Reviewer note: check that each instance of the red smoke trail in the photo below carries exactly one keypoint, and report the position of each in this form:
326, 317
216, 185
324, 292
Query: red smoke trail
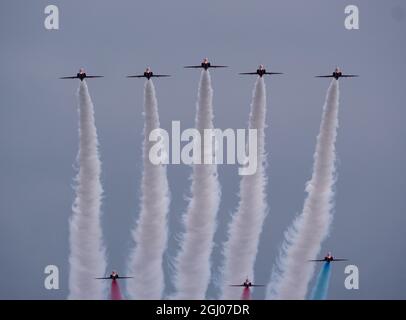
115, 293
246, 294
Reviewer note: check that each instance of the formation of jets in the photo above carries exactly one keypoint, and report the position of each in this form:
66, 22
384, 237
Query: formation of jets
328, 258
205, 64
246, 284
113, 276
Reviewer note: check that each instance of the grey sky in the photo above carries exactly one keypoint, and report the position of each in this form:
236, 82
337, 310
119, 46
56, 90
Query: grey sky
38, 138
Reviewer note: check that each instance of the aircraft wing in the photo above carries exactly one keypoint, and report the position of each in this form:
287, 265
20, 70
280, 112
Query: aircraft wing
248, 73
317, 260
273, 73
211, 66
161, 75
94, 76
137, 76
125, 277
193, 66
349, 75
257, 285
330, 76
73, 77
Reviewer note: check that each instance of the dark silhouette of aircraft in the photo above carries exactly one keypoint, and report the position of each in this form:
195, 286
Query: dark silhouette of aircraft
338, 74
260, 71
205, 65
247, 283
328, 258
148, 74
81, 75
113, 276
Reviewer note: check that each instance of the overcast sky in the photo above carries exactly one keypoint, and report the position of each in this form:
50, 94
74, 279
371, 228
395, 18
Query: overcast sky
38, 137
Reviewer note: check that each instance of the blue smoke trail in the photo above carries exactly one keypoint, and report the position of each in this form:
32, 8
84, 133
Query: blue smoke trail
321, 287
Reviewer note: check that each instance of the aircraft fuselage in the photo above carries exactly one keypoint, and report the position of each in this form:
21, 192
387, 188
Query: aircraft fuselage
81, 75
205, 65
148, 75
261, 72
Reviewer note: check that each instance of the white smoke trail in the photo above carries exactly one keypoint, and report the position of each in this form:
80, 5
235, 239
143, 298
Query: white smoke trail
241, 248
303, 239
193, 261
87, 253
150, 232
